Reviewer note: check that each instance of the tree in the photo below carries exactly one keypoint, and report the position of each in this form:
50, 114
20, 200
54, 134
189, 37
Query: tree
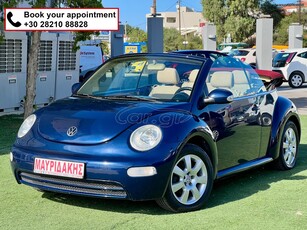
281, 34
231, 17
1, 32
172, 39
135, 34
32, 65
239, 27
105, 47
269, 8
215, 11
194, 43
5, 4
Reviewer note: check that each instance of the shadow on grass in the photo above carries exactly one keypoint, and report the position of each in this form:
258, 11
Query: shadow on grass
241, 186
224, 191
120, 206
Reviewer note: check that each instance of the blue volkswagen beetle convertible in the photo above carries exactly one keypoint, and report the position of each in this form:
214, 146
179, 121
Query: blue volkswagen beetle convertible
163, 131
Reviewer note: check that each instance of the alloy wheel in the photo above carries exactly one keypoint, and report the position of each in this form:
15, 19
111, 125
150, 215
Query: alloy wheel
289, 147
189, 179
296, 80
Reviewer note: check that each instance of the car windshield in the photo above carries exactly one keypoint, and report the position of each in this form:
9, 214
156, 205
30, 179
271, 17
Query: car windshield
140, 77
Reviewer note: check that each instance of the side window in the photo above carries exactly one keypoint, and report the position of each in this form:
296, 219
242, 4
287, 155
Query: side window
241, 86
221, 75
303, 55
247, 82
255, 82
231, 74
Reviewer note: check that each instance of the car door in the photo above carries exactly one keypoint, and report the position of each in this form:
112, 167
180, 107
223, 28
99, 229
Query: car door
236, 125
302, 59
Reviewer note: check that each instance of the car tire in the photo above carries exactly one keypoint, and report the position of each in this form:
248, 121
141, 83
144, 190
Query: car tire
288, 147
190, 182
296, 79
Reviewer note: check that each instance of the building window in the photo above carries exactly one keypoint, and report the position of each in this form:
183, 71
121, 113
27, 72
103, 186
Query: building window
171, 20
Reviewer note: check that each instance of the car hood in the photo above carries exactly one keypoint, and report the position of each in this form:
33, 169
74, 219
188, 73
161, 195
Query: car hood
91, 121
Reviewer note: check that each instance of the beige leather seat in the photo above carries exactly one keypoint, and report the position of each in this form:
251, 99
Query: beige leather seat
169, 79
192, 78
241, 84
221, 80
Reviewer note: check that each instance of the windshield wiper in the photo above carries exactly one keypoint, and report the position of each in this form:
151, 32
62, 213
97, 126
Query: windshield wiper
131, 97
115, 97
87, 96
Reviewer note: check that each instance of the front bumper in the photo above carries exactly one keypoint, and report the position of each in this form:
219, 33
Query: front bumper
72, 186
106, 179
282, 71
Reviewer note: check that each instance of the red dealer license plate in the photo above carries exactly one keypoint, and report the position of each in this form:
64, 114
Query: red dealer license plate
59, 168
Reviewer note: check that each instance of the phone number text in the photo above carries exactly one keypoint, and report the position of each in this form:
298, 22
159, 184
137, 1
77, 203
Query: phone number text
57, 24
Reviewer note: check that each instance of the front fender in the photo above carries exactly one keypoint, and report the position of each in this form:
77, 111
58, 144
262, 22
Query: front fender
186, 128
183, 128
202, 136
284, 110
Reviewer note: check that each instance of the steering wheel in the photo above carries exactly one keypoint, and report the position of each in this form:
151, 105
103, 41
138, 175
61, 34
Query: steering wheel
183, 89
180, 96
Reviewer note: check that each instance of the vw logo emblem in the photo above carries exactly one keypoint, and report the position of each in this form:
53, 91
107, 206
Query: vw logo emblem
72, 131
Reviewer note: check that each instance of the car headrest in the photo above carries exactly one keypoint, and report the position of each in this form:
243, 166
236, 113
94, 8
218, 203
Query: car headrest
168, 76
222, 79
193, 75
239, 77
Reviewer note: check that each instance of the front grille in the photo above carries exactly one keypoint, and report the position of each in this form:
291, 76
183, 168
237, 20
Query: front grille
100, 189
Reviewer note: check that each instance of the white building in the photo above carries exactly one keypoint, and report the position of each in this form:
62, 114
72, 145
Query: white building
189, 20
290, 8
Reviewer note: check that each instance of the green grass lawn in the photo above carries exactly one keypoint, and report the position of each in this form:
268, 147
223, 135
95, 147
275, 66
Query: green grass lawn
258, 199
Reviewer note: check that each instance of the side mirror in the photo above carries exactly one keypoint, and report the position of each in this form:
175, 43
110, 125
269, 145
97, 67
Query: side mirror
219, 96
75, 87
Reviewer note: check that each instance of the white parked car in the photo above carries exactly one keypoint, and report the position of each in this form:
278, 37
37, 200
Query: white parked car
245, 55
248, 55
292, 64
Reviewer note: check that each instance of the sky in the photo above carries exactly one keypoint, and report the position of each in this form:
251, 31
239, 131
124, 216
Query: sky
133, 12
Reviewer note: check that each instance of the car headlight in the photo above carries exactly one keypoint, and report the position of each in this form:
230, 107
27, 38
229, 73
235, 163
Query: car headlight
146, 137
26, 126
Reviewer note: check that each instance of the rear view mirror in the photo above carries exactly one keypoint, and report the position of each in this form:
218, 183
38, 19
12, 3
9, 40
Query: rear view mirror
156, 67
219, 96
75, 87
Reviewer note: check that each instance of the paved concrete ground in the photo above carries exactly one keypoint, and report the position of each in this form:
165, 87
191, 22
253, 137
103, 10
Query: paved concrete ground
298, 96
